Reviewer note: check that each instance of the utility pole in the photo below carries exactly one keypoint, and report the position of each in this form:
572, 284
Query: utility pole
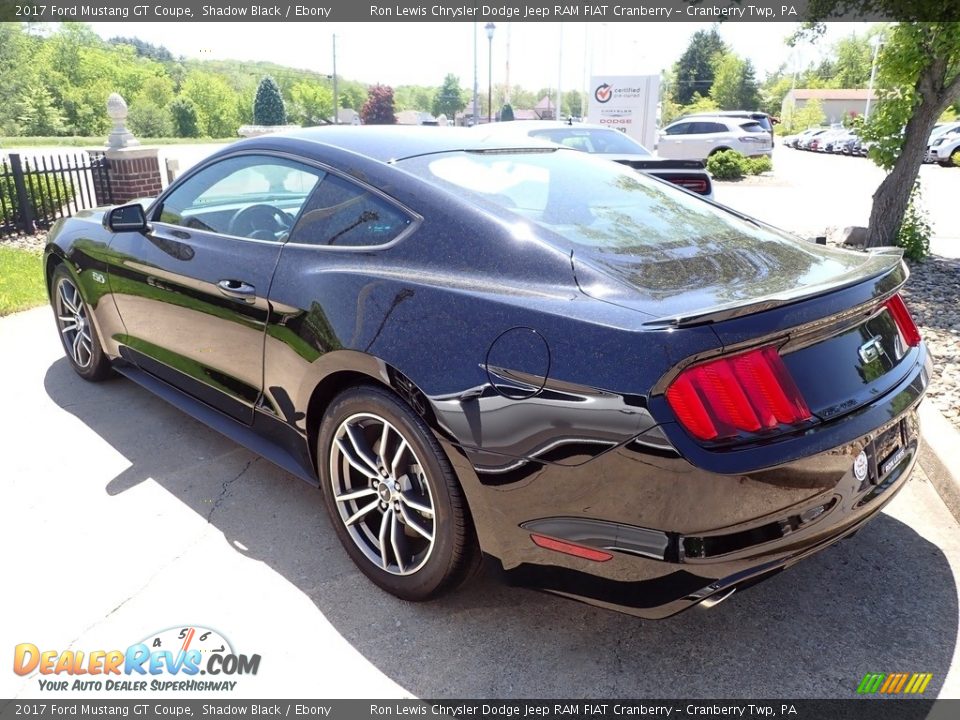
507, 94
336, 95
560, 76
476, 112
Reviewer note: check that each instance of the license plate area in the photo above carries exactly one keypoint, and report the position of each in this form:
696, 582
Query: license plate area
885, 452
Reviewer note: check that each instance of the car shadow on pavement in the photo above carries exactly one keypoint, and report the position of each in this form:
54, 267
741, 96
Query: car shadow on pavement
882, 601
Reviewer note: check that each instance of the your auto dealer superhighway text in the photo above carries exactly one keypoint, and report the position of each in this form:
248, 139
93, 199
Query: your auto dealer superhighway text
466, 12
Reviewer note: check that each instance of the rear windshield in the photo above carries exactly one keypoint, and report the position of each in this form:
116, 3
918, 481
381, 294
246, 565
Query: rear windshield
589, 202
752, 127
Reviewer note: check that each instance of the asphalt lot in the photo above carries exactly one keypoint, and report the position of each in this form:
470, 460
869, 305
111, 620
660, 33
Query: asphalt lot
119, 517
815, 193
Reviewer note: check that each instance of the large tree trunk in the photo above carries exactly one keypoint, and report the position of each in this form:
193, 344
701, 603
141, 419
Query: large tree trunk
893, 195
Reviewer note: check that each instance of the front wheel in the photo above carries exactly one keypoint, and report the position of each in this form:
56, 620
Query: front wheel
393, 498
77, 332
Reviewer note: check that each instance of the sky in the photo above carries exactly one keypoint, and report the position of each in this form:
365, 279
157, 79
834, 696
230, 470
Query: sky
407, 53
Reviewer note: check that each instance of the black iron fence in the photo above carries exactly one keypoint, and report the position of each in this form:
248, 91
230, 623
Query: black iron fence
36, 191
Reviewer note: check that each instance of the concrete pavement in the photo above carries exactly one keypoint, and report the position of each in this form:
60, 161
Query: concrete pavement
810, 192
120, 516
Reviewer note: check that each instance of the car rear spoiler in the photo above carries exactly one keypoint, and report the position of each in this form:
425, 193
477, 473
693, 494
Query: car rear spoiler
883, 262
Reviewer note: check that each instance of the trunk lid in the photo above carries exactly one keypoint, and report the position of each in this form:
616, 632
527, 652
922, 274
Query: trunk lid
697, 280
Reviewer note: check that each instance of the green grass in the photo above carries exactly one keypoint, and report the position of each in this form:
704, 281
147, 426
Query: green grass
21, 280
99, 141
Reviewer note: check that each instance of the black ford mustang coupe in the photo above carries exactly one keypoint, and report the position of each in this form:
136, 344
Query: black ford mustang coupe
620, 392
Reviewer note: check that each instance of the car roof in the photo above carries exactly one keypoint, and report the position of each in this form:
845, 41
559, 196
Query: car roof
388, 143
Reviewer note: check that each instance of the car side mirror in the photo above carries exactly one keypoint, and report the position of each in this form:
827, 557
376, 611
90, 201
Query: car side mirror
127, 218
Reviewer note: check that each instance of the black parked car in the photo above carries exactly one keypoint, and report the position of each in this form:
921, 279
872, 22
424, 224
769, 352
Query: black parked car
618, 391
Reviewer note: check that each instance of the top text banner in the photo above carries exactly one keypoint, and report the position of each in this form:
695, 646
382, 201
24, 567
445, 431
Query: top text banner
448, 10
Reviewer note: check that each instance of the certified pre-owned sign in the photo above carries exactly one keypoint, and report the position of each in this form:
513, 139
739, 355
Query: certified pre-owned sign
627, 103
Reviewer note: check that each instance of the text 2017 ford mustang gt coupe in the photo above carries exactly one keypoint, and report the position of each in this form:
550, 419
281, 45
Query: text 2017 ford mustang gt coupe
618, 391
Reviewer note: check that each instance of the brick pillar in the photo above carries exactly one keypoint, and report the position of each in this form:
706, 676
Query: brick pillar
134, 173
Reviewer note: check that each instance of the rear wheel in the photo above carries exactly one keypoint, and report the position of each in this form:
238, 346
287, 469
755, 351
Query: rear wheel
77, 333
392, 496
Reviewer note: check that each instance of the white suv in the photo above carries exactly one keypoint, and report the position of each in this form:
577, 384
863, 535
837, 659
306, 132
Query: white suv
945, 149
698, 138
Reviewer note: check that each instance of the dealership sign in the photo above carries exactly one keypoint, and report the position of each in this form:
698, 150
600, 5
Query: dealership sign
627, 103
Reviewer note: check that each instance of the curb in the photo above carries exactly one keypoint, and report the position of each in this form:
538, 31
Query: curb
940, 455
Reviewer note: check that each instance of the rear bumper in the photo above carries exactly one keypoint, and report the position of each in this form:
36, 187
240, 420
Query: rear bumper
679, 535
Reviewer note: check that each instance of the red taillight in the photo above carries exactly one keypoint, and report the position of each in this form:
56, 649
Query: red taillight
570, 549
743, 393
901, 316
697, 185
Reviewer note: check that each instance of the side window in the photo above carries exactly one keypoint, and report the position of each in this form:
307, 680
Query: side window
681, 129
251, 196
343, 214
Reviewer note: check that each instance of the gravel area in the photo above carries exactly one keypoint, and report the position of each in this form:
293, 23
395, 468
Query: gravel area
25, 242
932, 293
933, 296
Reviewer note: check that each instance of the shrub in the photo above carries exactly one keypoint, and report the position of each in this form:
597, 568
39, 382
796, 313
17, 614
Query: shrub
268, 108
506, 113
727, 165
149, 121
186, 122
915, 231
759, 164
47, 193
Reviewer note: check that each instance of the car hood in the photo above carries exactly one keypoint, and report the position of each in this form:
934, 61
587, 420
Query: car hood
710, 278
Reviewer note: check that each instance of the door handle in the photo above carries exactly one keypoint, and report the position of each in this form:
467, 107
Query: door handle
237, 289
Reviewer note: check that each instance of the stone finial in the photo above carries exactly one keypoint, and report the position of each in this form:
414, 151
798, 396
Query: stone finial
119, 136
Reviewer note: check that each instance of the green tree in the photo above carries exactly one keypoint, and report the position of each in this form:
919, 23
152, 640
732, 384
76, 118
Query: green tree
854, 58
157, 90
216, 104
700, 105
734, 84
38, 114
149, 120
572, 100
694, 71
379, 108
312, 103
449, 99
810, 115
414, 97
186, 121
506, 113
918, 78
268, 107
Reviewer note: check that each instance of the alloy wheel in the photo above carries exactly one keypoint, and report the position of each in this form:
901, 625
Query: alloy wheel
382, 494
73, 323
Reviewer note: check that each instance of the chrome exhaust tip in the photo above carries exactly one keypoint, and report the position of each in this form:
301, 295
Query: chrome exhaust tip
717, 598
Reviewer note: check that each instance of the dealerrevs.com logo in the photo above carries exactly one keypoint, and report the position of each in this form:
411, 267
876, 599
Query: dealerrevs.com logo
172, 659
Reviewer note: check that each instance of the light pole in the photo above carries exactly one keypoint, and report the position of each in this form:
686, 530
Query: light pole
490, 27
336, 95
473, 121
873, 75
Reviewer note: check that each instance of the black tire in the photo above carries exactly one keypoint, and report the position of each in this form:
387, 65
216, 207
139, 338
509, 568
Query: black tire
421, 569
78, 334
